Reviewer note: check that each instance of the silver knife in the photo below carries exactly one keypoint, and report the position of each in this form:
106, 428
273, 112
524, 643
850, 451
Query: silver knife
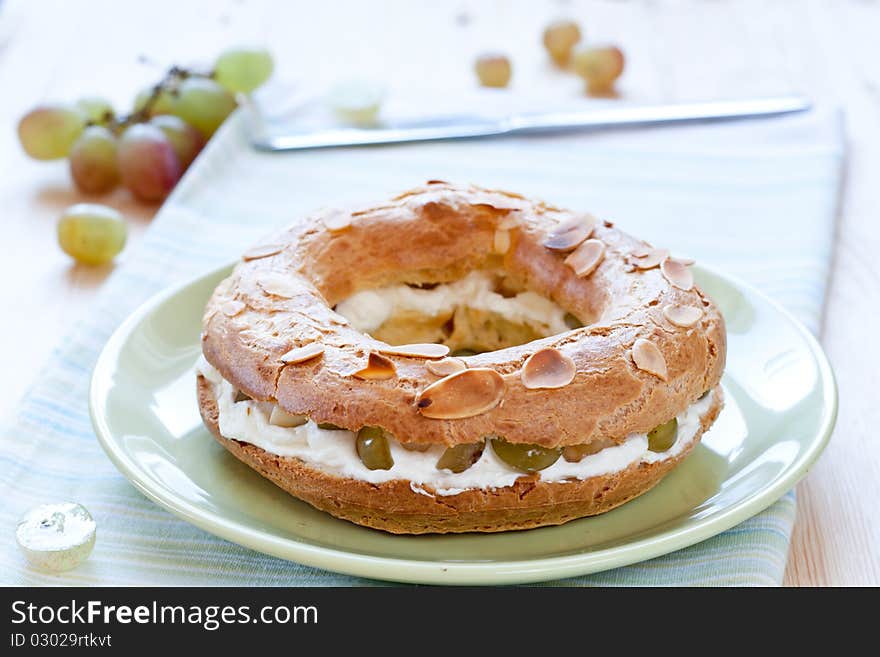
472, 126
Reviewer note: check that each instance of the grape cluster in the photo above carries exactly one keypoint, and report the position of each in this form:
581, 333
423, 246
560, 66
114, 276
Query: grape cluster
600, 67
148, 149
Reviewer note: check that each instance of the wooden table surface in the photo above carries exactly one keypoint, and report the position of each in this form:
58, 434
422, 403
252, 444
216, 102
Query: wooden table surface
677, 51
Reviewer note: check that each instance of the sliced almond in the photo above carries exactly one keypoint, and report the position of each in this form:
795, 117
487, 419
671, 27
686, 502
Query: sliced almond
648, 357
232, 308
302, 354
641, 251
461, 395
501, 242
586, 257
507, 222
281, 418
278, 285
687, 262
651, 259
262, 251
421, 350
378, 368
547, 368
337, 220
677, 274
446, 366
683, 316
571, 232
497, 201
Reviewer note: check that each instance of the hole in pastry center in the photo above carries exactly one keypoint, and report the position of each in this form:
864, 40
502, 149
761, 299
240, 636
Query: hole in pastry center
483, 311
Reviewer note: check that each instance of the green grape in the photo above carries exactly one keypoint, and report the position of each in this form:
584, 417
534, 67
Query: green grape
185, 140
571, 321
372, 447
576, 453
203, 104
95, 110
559, 39
599, 67
48, 132
147, 163
663, 437
92, 234
493, 70
460, 457
93, 161
241, 70
164, 103
524, 456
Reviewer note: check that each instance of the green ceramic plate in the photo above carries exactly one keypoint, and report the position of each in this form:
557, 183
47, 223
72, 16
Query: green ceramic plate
781, 406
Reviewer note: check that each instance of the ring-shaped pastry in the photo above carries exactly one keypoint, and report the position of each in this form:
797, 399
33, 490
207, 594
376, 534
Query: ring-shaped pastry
460, 359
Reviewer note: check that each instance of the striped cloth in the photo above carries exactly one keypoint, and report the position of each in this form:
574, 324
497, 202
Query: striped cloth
754, 199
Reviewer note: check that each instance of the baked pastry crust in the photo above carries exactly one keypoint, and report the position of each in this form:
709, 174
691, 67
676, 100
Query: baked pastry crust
396, 507
280, 298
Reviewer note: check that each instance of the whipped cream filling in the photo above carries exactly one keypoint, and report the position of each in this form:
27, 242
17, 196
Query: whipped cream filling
367, 310
334, 452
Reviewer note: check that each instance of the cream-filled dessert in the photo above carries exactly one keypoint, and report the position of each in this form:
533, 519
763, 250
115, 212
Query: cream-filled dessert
334, 451
459, 359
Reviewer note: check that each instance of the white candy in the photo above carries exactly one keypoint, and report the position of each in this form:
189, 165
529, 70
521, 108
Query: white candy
356, 101
56, 537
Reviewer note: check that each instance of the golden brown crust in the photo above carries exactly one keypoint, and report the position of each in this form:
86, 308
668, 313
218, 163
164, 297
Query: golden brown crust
447, 231
395, 507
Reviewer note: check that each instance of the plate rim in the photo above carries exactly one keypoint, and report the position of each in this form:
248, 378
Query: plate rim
453, 572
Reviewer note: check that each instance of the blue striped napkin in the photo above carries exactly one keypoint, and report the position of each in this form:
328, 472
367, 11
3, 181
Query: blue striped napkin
756, 199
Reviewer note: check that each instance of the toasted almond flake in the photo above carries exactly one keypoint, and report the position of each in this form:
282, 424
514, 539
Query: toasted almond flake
641, 251
547, 368
422, 350
378, 368
302, 354
281, 418
677, 274
461, 395
232, 308
278, 285
651, 259
507, 222
501, 242
446, 366
571, 232
648, 357
586, 257
683, 316
262, 251
497, 201
687, 262
337, 220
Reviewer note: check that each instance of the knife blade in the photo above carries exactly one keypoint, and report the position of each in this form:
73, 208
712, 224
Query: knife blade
466, 126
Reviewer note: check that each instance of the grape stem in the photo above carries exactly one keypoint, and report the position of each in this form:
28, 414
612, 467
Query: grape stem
169, 83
